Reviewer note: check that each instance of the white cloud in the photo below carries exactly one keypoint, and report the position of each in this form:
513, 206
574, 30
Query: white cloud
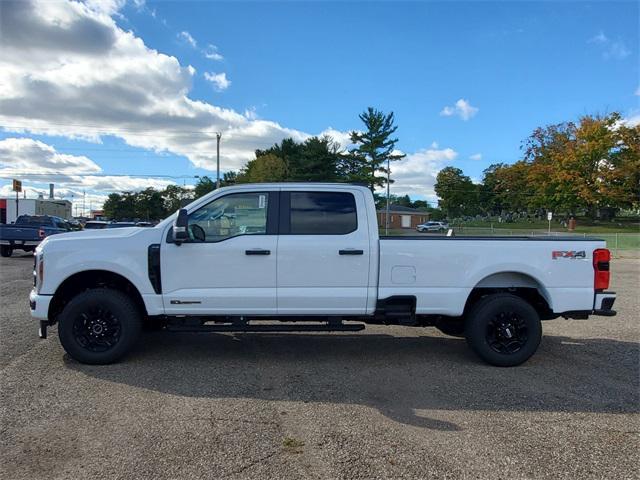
212, 53
108, 7
37, 164
632, 120
341, 138
219, 80
461, 108
415, 174
609, 48
475, 156
68, 70
187, 38
28, 155
251, 113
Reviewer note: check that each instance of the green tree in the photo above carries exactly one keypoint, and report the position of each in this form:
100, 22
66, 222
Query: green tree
314, 160
204, 185
374, 148
505, 188
120, 206
458, 195
149, 204
175, 197
317, 161
265, 168
229, 178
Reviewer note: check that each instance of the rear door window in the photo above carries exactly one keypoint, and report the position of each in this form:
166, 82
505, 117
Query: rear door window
322, 213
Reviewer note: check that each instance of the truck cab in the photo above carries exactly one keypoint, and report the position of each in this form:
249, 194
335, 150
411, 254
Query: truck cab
265, 257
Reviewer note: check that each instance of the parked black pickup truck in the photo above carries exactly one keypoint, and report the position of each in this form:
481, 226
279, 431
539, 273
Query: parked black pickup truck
28, 231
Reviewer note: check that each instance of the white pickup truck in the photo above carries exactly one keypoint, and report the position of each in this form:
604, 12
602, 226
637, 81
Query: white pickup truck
307, 257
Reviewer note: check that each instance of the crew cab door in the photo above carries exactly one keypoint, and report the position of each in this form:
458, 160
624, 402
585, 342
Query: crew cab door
323, 253
228, 266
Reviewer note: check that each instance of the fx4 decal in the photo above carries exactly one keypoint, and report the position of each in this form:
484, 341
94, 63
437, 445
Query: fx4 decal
568, 254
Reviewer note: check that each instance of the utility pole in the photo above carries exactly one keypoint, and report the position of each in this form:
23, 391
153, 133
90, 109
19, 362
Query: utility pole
218, 135
386, 222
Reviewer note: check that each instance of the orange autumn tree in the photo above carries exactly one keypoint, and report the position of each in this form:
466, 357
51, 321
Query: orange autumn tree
584, 166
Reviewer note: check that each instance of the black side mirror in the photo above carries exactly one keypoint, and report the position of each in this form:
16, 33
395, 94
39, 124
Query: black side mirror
180, 224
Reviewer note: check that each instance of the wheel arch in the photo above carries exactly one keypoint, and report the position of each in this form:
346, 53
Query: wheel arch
523, 285
91, 279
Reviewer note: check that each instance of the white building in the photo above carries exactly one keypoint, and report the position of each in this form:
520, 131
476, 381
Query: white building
33, 206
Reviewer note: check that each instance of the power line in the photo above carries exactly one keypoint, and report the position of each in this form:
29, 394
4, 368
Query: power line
113, 130
5, 174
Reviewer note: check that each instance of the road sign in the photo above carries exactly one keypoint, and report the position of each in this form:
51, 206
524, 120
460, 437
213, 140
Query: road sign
17, 185
549, 216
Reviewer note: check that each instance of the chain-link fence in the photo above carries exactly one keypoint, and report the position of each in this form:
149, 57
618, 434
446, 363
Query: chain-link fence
621, 244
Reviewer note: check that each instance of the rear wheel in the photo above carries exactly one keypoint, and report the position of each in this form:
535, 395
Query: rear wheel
6, 250
99, 326
503, 329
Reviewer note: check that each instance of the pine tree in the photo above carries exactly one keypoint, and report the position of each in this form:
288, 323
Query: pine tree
374, 149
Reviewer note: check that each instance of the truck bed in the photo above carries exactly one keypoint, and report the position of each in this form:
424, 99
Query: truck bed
442, 271
19, 233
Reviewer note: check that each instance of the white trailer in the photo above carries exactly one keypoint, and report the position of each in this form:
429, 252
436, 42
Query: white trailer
37, 206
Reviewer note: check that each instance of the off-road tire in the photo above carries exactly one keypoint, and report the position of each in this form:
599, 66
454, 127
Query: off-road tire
123, 316
488, 341
5, 251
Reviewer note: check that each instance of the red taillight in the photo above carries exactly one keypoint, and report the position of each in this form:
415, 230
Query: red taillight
601, 273
41, 233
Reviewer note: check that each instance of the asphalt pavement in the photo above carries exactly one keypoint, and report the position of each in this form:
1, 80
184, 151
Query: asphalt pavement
388, 402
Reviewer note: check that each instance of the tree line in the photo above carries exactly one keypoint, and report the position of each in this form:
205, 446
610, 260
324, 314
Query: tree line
590, 167
581, 167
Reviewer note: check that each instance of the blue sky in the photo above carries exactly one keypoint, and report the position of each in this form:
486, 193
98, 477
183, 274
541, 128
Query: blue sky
310, 66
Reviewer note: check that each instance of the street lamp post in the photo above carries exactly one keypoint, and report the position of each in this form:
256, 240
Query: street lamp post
218, 135
386, 222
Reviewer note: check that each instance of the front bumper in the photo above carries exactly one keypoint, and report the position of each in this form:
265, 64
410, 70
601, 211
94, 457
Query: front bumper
39, 305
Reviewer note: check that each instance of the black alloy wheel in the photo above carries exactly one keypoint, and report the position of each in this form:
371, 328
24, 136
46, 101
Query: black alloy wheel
503, 329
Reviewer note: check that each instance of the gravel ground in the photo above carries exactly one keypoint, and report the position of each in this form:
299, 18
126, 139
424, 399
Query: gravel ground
389, 402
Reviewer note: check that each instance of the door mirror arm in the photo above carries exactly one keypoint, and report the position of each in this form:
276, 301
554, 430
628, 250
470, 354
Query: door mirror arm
180, 227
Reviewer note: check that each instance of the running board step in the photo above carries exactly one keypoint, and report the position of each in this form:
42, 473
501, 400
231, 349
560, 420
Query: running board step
267, 328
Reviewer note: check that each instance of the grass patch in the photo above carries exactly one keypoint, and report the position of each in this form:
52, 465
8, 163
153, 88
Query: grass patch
583, 226
292, 445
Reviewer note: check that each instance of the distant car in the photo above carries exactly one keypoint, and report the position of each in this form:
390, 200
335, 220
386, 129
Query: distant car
95, 225
433, 227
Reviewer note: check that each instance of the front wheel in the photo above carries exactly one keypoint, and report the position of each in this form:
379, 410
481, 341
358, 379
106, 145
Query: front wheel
503, 329
99, 326
5, 250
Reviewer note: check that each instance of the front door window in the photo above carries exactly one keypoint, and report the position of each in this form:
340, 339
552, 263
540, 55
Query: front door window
230, 216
